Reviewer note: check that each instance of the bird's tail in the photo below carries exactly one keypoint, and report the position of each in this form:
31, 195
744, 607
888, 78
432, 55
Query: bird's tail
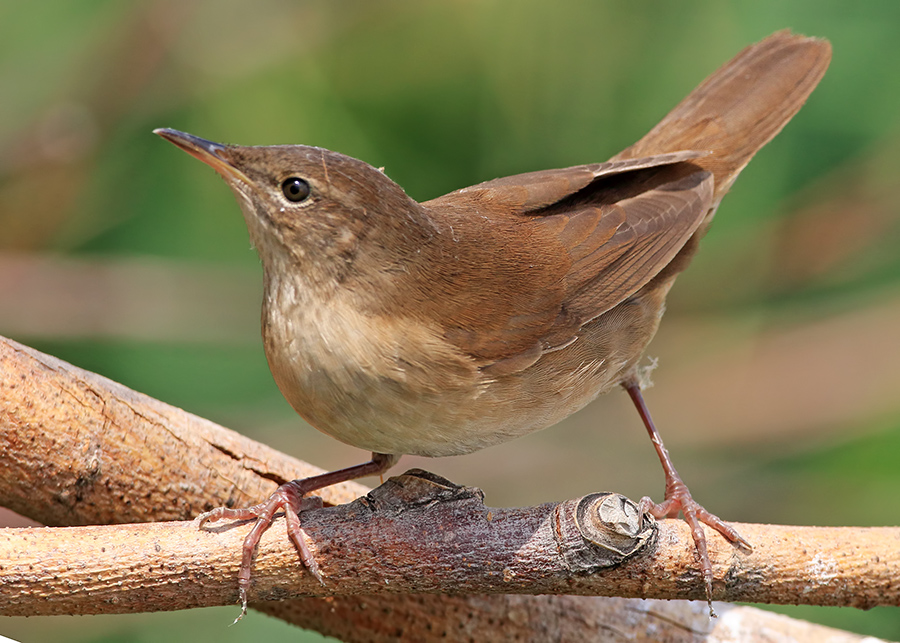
741, 106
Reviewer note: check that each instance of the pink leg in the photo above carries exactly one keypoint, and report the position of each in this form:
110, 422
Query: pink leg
290, 498
678, 498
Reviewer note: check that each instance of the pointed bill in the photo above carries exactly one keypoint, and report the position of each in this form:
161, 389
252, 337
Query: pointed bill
206, 151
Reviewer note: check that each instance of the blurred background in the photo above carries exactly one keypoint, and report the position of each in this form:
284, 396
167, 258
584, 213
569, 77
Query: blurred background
778, 387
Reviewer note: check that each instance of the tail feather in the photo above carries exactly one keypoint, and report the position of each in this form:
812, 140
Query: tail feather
741, 106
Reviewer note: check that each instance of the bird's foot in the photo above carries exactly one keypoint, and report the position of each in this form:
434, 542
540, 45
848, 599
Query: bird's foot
290, 498
678, 498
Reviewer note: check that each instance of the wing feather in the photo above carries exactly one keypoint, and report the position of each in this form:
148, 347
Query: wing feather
595, 235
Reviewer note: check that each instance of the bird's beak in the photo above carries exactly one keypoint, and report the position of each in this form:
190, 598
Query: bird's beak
214, 155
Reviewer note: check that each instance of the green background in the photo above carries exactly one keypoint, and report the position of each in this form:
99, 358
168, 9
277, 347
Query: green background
779, 362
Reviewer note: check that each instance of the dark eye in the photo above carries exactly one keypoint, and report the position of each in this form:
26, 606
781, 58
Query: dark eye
295, 189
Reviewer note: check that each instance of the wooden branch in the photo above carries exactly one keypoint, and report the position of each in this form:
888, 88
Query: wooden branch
419, 533
76, 448
423, 618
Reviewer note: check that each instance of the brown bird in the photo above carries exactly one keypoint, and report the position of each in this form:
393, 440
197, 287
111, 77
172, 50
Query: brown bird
444, 327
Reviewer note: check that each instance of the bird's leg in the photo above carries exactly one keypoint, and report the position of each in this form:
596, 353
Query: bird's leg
678, 498
290, 497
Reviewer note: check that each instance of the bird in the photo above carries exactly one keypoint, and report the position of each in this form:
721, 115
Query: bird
447, 326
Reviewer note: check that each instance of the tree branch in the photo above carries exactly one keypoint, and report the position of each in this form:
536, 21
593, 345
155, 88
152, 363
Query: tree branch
76, 448
418, 533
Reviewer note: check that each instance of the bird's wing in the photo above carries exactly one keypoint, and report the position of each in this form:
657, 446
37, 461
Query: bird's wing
533, 190
591, 236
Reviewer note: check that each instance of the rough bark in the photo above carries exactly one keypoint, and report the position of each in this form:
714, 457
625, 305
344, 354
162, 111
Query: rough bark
418, 533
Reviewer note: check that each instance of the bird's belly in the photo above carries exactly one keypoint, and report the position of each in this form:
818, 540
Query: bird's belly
389, 396
392, 417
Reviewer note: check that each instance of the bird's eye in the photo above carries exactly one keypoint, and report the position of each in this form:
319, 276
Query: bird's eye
295, 189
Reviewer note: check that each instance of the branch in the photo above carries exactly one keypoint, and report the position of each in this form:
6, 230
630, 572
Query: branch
418, 533
76, 448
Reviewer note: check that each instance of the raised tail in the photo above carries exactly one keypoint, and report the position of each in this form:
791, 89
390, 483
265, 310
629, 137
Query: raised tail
741, 106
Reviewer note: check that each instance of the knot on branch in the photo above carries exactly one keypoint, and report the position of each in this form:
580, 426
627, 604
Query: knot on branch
417, 488
601, 530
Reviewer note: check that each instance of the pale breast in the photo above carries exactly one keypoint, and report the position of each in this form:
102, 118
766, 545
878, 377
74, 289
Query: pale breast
395, 386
